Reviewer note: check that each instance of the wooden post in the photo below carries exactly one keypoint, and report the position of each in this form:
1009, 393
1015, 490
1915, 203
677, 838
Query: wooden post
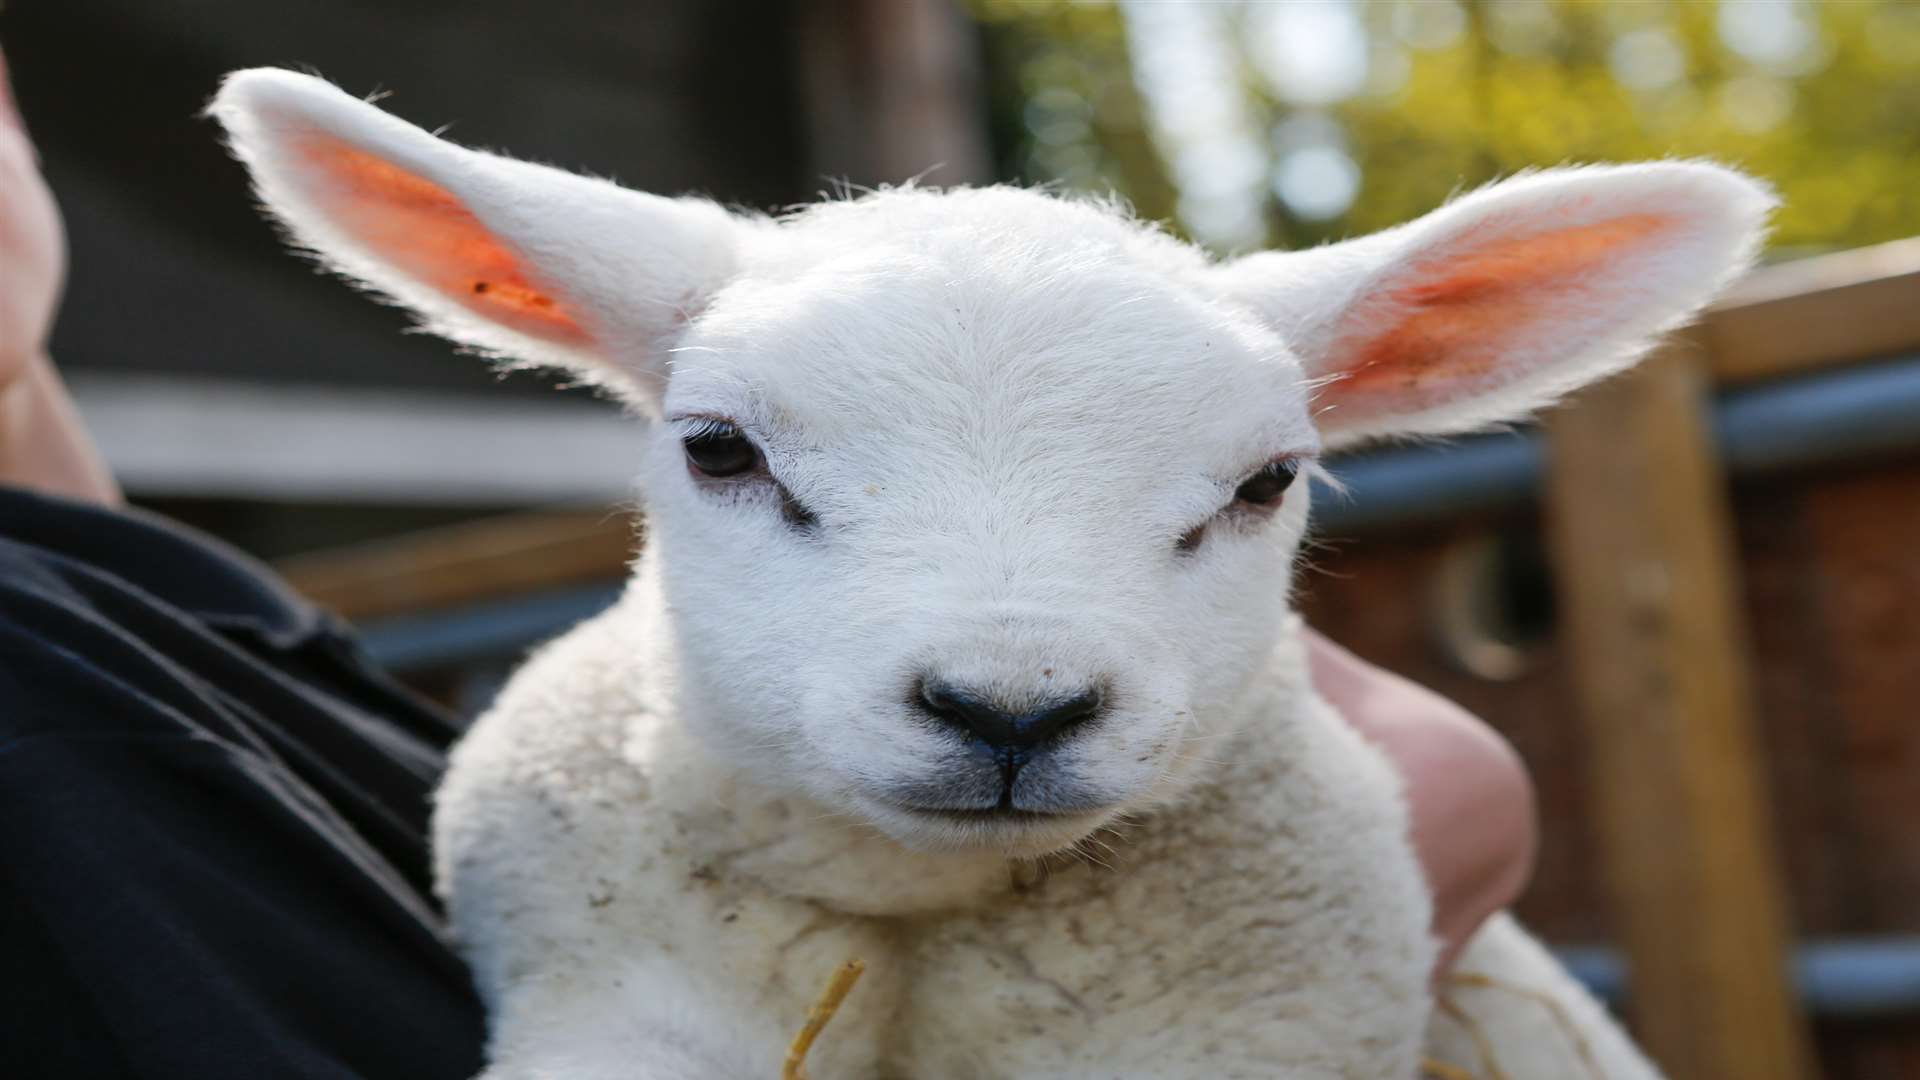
1640, 532
891, 91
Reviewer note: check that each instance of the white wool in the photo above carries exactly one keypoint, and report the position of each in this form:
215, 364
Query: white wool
1001, 411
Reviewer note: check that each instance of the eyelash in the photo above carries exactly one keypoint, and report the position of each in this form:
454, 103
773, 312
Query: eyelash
697, 427
694, 429
1296, 465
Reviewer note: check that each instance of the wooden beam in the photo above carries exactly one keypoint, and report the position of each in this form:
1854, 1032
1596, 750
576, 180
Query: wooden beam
181, 435
1816, 313
464, 564
1640, 532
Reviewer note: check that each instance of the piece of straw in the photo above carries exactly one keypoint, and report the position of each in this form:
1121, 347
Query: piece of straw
1555, 1010
1481, 1044
841, 984
824, 1006
1440, 1070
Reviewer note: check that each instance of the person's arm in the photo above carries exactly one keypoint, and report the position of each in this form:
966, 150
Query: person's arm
43, 444
1470, 797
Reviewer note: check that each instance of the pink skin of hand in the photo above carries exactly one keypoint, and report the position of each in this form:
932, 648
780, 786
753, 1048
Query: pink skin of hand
43, 445
1471, 801
33, 247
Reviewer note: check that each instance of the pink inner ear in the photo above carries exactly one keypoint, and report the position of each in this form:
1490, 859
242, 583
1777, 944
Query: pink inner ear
1462, 313
427, 233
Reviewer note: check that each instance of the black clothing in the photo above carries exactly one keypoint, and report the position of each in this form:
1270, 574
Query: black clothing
213, 813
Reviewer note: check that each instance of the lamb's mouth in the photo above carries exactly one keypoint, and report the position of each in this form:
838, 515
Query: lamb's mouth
1005, 821
993, 815
1042, 816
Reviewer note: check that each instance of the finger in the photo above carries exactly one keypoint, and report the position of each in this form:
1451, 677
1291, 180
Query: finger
9, 112
10, 121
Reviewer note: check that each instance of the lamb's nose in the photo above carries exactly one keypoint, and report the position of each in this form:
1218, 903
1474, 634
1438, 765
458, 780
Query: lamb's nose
1003, 728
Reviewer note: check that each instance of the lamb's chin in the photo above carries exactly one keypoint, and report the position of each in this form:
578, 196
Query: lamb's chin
1011, 833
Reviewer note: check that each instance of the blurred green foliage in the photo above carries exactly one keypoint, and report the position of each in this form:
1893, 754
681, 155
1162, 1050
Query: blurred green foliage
1256, 123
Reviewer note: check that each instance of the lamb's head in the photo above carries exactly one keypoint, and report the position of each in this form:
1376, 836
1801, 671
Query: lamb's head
974, 511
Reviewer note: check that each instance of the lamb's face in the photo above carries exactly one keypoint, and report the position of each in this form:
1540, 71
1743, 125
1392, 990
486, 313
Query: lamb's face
973, 512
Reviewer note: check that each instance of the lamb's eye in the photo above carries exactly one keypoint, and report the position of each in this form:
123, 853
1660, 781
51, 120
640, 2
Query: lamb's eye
719, 450
1265, 487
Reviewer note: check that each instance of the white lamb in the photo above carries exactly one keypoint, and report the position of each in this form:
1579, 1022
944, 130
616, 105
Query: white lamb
961, 643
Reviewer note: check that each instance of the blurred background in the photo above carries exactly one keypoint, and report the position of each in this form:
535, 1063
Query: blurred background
1729, 759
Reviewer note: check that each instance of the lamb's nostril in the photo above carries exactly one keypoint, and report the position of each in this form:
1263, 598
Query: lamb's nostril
1003, 728
1064, 715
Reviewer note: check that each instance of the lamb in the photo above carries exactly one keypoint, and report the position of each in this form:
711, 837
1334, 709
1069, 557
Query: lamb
962, 641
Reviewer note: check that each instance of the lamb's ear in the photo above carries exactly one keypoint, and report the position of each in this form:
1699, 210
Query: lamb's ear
1501, 301
517, 260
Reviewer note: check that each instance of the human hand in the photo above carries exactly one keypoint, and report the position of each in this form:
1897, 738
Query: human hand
33, 247
1470, 797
